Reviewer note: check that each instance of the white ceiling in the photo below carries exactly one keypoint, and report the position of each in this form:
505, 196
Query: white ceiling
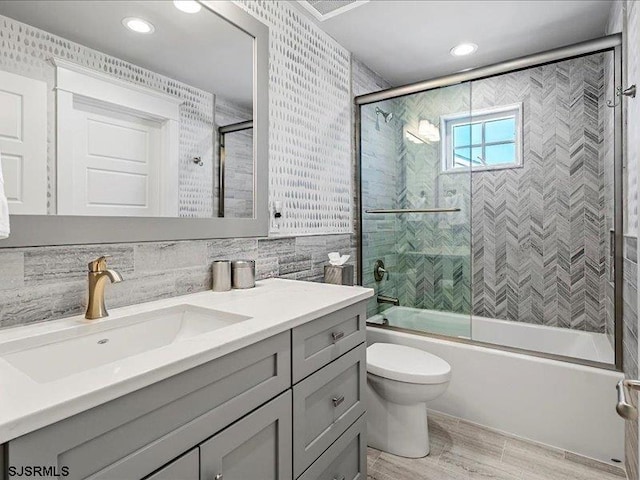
409, 41
202, 49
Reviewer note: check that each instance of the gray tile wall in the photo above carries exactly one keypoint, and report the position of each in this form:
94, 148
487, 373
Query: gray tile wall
630, 345
379, 177
47, 283
625, 16
434, 251
539, 233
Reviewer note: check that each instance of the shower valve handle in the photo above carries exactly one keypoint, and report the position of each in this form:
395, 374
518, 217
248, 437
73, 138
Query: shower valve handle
379, 271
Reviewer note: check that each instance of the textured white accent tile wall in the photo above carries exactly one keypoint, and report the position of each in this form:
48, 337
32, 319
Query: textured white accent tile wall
310, 122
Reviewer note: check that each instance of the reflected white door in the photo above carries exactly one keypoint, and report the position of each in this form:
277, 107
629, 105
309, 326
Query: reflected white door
23, 143
114, 166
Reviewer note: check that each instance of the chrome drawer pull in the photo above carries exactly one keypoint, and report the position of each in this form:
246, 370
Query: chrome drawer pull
218, 477
338, 478
337, 400
337, 336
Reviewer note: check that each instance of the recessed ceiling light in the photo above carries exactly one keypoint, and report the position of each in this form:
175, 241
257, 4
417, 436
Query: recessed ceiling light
138, 25
463, 49
188, 6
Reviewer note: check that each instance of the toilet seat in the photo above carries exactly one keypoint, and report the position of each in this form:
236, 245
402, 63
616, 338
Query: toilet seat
406, 364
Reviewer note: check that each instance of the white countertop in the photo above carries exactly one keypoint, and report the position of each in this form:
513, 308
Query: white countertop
275, 305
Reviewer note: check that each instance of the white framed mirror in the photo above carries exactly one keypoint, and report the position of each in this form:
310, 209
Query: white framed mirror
110, 121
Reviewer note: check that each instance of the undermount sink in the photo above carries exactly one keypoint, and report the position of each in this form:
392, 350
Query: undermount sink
46, 358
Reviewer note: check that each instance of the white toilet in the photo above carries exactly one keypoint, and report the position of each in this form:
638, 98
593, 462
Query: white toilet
400, 380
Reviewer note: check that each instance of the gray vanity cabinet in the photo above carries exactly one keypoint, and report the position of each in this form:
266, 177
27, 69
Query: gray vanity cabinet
256, 447
132, 436
287, 407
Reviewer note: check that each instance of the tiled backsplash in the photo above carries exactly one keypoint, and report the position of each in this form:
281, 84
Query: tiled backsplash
46, 283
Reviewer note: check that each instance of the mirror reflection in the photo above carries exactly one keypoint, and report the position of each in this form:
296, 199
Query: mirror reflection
114, 108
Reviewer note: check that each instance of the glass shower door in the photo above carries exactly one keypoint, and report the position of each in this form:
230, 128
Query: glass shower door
415, 201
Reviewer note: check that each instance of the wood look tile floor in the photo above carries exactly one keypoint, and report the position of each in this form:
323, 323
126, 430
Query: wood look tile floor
461, 451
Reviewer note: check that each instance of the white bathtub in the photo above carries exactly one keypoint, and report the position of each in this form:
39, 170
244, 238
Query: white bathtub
564, 405
559, 341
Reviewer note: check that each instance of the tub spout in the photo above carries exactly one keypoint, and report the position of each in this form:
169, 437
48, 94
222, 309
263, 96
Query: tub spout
386, 299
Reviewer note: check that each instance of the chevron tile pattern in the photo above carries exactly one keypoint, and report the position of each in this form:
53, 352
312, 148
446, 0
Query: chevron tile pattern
539, 238
531, 243
433, 250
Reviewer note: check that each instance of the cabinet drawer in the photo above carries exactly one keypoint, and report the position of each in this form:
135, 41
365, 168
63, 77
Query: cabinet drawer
256, 447
134, 435
187, 467
346, 459
319, 342
325, 404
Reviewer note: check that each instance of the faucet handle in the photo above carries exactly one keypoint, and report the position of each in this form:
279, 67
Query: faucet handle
99, 264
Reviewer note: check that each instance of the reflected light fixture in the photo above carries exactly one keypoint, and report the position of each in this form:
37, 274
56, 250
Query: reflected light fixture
138, 25
187, 6
429, 131
463, 49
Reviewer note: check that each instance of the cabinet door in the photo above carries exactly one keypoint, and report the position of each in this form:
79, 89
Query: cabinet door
184, 468
255, 447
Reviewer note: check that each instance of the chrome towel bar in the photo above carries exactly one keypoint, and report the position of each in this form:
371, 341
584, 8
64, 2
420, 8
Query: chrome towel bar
414, 210
624, 408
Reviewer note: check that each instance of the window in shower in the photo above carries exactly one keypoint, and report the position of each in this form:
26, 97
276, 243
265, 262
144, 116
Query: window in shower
482, 140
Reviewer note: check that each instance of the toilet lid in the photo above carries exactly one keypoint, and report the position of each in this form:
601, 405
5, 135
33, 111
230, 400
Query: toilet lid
406, 364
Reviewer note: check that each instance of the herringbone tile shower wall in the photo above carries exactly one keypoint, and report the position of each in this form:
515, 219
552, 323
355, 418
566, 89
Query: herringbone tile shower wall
433, 250
539, 232
531, 243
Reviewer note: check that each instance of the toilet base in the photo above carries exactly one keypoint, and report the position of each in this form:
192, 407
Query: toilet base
398, 429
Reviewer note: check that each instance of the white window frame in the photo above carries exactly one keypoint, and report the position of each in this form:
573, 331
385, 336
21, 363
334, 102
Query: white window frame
447, 122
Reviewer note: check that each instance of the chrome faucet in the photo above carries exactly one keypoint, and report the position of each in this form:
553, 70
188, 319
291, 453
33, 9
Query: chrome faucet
386, 299
98, 275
